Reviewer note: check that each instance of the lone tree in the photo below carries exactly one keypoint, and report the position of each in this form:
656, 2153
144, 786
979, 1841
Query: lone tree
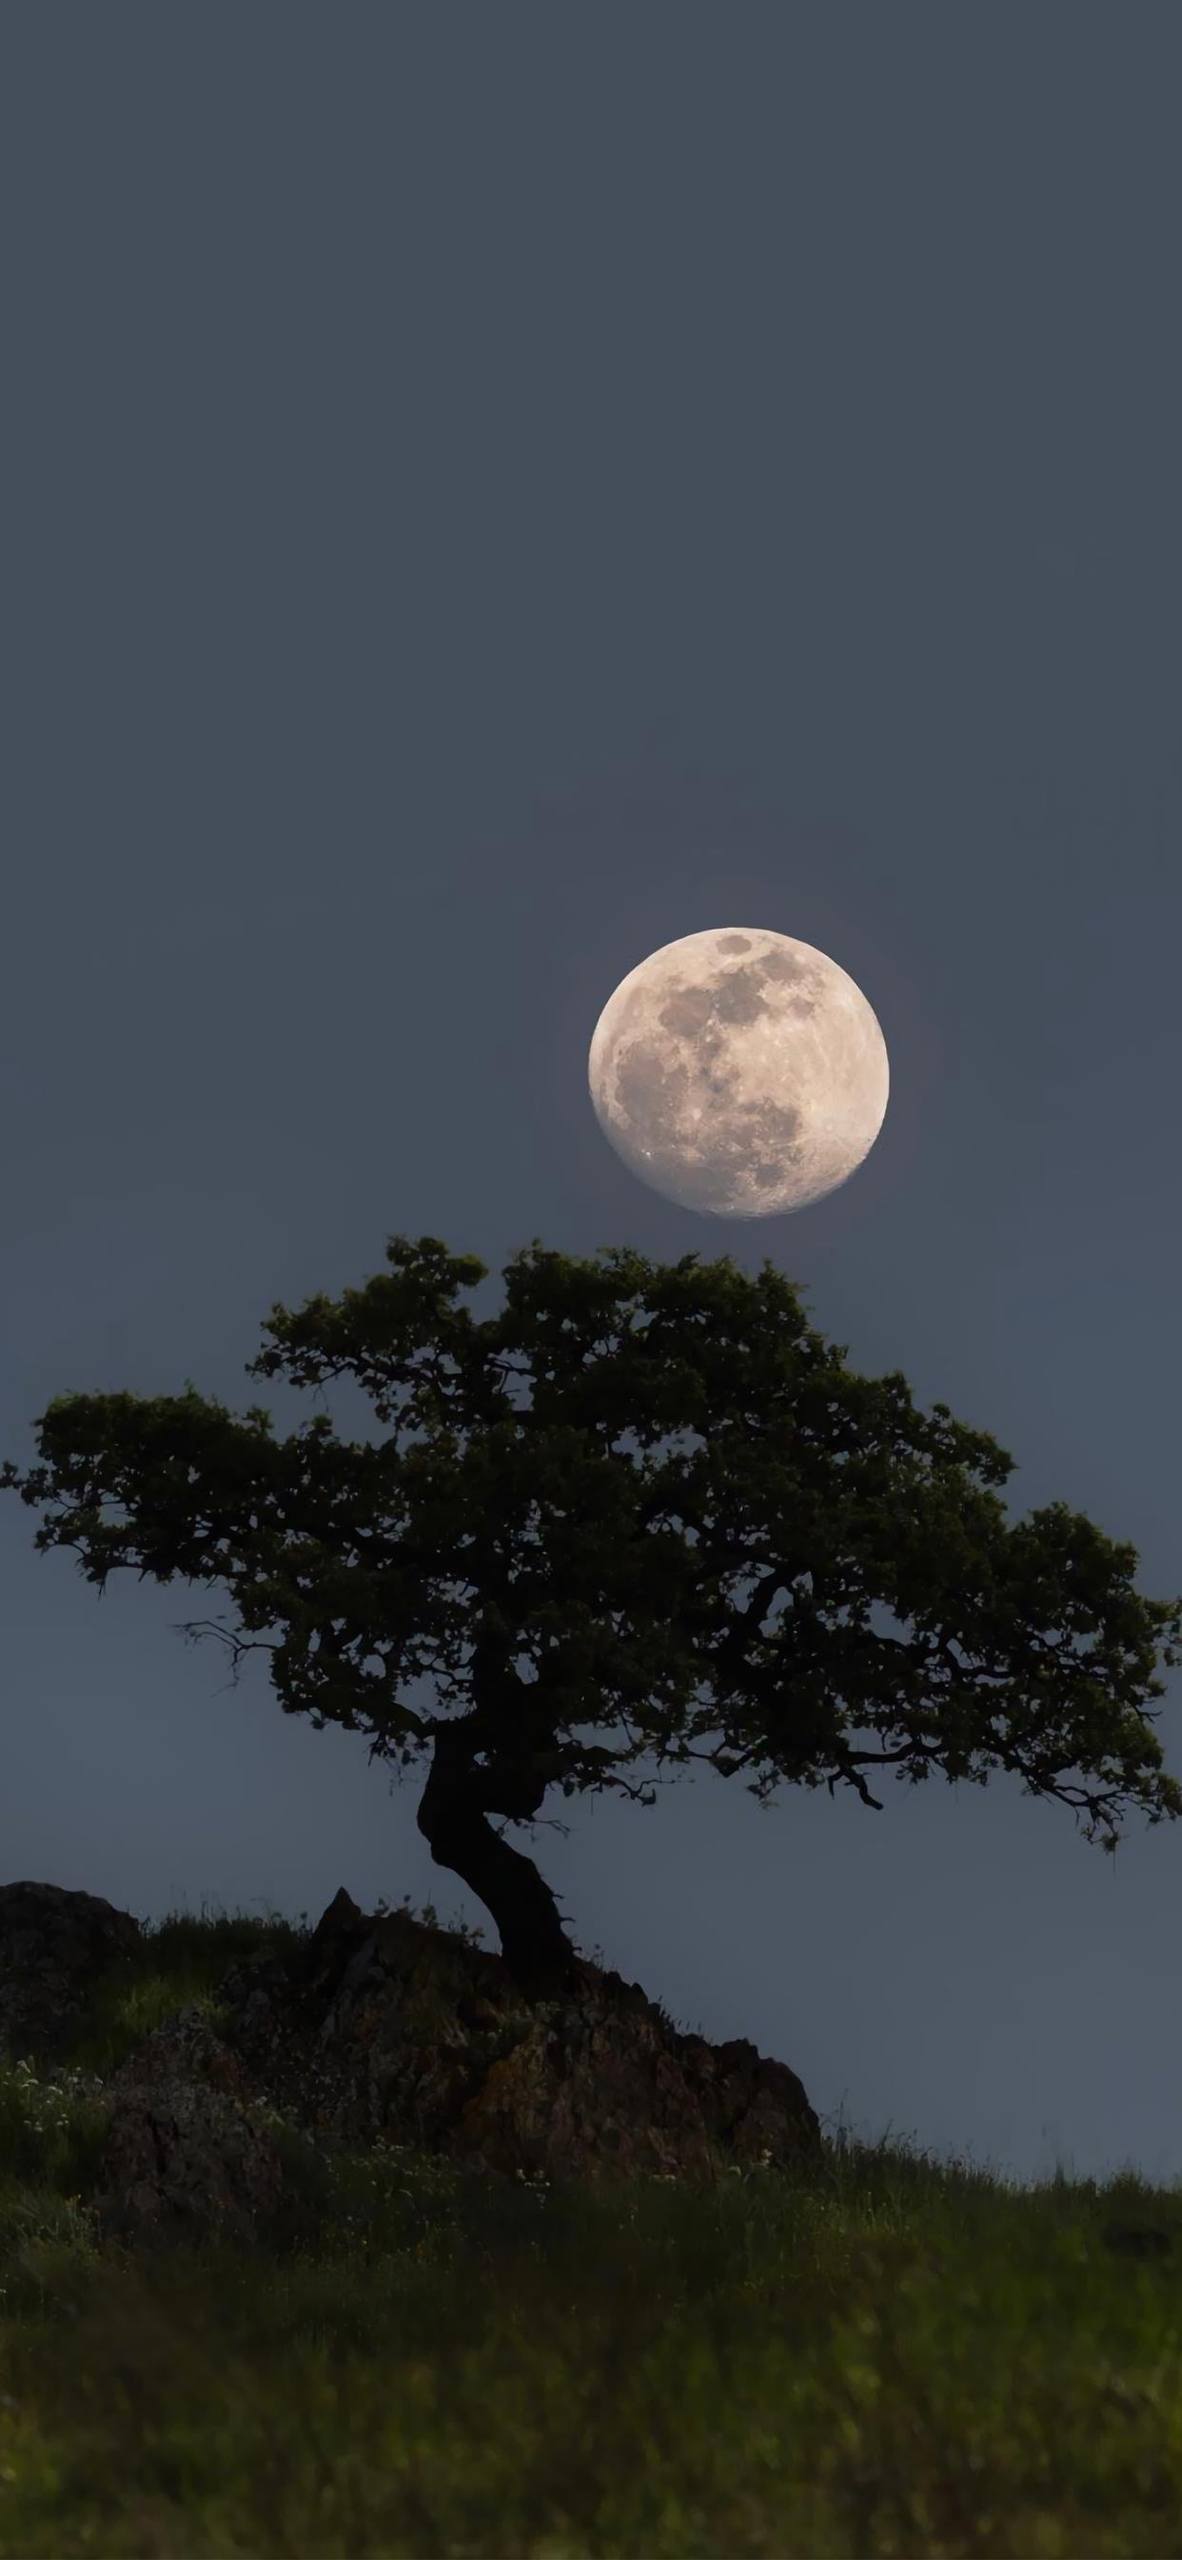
678, 1544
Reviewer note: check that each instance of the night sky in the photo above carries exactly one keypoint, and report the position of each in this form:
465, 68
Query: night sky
487, 492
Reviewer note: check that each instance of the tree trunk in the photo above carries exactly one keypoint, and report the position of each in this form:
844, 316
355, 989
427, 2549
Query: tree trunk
452, 1818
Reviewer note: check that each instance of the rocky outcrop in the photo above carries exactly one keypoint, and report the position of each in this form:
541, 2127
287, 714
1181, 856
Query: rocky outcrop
53, 1947
384, 2026
185, 2152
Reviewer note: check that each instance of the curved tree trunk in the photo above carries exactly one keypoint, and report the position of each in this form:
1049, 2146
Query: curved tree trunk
452, 1818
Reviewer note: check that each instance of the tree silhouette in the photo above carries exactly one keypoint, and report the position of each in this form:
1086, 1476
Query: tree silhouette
673, 1547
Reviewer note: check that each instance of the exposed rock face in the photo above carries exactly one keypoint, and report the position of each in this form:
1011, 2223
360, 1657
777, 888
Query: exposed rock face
53, 1944
184, 2153
385, 2026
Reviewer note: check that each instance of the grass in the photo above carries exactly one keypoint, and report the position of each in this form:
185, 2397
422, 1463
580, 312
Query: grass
886, 2358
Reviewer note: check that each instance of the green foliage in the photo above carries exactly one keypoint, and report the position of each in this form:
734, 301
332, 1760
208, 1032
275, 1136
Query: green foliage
646, 1500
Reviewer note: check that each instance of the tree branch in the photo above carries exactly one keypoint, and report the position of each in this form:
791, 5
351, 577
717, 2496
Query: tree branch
424, 1727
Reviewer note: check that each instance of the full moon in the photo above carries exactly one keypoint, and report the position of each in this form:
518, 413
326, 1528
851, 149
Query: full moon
739, 1072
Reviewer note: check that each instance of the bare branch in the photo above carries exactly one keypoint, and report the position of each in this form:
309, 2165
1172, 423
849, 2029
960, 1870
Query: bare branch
192, 1628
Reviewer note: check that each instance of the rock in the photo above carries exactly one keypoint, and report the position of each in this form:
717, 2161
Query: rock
53, 1945
382, 2026
388, 2027
184, 2156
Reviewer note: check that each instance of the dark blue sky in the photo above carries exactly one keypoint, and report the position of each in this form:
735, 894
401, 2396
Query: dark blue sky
486, 493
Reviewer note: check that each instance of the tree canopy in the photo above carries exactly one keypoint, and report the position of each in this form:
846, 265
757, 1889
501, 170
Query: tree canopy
645, 1512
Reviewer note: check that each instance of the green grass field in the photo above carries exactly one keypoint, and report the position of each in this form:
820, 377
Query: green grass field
895, 2357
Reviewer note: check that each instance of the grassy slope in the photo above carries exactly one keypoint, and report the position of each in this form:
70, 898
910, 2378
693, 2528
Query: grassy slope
897, 2357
